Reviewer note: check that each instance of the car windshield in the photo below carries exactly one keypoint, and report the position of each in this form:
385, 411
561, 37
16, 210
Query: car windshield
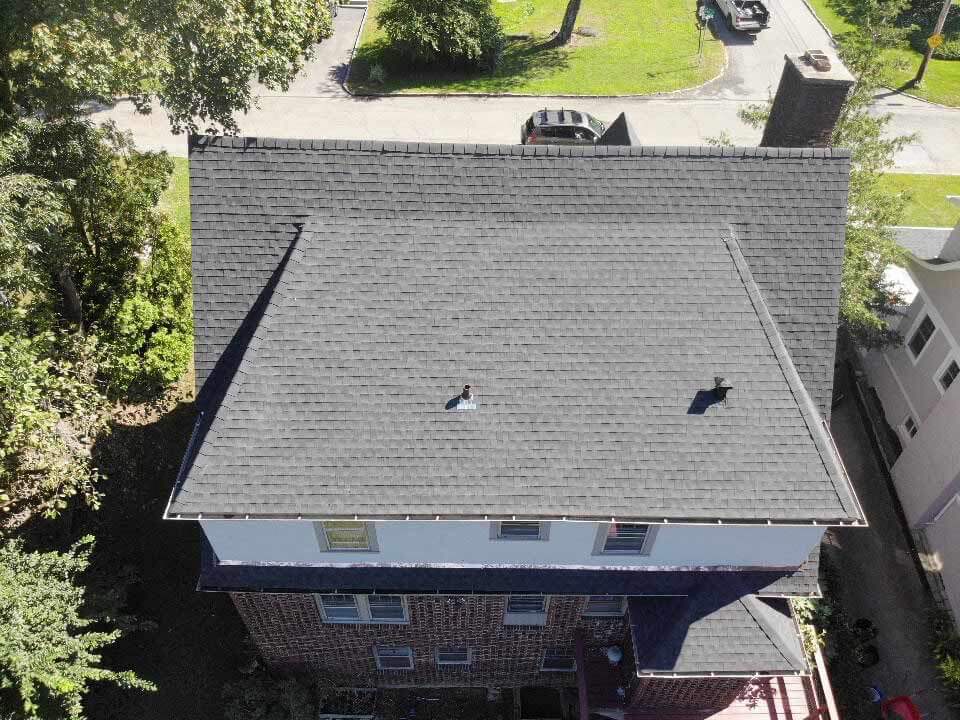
597, 126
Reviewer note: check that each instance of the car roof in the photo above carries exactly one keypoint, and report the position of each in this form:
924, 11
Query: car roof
560, 117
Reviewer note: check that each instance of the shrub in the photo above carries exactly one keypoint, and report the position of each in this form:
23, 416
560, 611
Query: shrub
452, 33
946, 651
377, 75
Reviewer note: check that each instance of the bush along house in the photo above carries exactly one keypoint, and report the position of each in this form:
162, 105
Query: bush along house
504, 416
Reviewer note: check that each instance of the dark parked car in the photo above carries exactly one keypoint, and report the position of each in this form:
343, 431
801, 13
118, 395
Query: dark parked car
561, 127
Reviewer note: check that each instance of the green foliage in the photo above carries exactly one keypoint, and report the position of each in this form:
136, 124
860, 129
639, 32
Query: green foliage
451, 33
48, 654
923, 14
50, 411
81, 227
946, 651
197, 57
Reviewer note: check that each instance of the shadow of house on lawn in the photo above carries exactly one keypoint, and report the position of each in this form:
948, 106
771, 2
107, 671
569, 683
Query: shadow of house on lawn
195, 640
522, 58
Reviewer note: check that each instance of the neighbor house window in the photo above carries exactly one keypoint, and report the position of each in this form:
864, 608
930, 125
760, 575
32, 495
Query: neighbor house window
519, 530
921, 336
364, 609
526, 610
394, 658
453, 656
347, 535
604, 606
558, 661
949, 375
623, 539
910, 426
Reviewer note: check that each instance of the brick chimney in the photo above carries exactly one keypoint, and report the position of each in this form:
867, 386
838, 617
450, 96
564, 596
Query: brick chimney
812, 90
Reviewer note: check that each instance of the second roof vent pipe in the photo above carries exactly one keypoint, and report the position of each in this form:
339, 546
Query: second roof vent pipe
466, 401
721, 386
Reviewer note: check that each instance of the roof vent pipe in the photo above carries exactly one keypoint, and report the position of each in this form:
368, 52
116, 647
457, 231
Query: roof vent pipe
721, 387
466, 401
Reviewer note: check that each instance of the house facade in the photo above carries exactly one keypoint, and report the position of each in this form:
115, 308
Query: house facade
511, 417
915, 383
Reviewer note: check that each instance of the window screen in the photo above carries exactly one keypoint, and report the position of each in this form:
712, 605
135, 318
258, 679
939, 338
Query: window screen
527, 604
453, 656
604, 605
340, 608
394, 658
386, 608
625, 538
346, 535
921, 336
950, 374
519, 530
558, 661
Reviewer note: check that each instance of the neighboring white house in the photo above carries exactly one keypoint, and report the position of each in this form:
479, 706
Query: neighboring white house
918, 384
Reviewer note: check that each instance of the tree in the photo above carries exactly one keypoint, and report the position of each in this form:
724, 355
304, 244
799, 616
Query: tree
48, 654
455, 33
569, 21
80, 225
197, 57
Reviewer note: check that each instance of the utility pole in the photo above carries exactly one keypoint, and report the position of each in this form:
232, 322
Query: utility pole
933, 42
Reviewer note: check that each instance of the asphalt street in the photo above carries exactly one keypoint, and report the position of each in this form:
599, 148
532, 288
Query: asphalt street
316, 105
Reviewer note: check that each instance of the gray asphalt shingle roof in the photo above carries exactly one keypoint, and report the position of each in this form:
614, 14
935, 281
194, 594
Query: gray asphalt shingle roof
586, 294
711, 632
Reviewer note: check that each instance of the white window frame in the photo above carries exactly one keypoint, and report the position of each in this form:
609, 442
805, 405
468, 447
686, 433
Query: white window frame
527, 618
409, 654
320, 528
914, 327
556, 653
603, 530
363, 608
496, 532
447, 663
619, 613
903, 428
951, 358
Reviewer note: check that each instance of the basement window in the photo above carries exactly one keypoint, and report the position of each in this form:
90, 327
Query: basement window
394, 658
453, 656
519, 530
623, 539
557, 661
526, 610
921, 336
346, 536
603, 606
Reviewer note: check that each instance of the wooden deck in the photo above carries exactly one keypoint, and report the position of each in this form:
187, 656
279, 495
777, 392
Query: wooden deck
776, 698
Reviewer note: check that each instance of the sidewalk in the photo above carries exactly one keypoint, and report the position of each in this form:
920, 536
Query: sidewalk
879, 577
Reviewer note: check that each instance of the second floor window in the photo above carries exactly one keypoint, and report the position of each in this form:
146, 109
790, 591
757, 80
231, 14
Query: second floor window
921, 336
526, 610
520, 530
363, 609
603, 606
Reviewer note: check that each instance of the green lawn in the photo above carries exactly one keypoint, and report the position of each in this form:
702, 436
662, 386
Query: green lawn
928, 205
176, 200
942, 82
644, 46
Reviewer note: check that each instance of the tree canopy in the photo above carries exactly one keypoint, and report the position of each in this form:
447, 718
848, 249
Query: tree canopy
48, 653
197, 57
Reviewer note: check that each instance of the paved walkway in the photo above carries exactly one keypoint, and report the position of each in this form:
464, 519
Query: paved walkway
879, 578
316, 106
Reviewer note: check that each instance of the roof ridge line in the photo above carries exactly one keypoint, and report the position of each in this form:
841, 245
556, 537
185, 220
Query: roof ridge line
748, 604
815, 423
197, 143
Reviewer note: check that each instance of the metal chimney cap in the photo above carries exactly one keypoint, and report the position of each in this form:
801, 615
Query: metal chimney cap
466, 394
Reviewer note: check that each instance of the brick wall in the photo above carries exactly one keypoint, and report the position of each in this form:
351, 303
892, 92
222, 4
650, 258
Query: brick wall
291, 635
688, 693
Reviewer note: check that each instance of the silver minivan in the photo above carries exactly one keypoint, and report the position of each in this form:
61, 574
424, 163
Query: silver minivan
561, 127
